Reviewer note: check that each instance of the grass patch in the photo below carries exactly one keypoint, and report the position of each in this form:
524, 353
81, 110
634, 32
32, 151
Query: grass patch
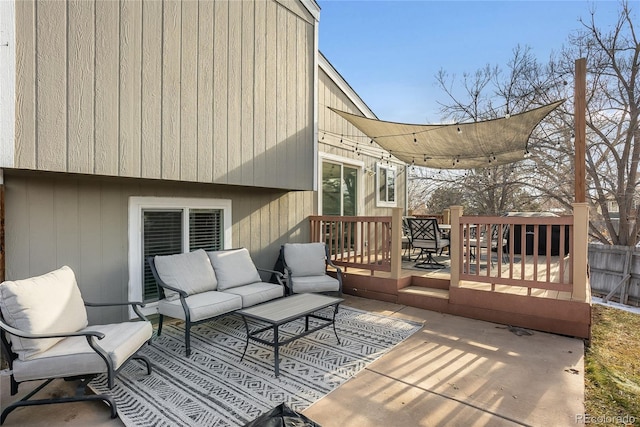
612, 364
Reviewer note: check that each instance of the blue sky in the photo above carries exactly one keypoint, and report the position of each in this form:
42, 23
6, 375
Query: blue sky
390, 51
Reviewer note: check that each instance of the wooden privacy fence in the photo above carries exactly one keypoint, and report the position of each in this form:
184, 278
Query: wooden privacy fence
530, 252
355, 241
615, 272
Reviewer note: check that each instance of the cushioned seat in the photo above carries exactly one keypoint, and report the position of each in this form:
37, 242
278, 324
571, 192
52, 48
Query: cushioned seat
256, 293
201, 306
323, 283
45, 332
73, 356
306, 266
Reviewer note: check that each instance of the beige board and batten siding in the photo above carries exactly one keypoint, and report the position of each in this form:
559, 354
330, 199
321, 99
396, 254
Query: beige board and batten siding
55, 219
201, 91
338, 137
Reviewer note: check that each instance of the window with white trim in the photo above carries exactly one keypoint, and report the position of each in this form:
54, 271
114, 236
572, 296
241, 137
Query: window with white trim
339, 189
386, 186
165, 226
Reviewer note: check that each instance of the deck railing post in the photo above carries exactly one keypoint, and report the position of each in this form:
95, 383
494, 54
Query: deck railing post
581, 289
396, 243
455, 247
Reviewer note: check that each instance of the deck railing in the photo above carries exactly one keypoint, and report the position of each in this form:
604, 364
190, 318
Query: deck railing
355, 241
548, 253
531, 252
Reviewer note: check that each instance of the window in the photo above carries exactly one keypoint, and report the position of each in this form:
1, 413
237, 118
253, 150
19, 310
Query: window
339, 189
386, 185
165, 226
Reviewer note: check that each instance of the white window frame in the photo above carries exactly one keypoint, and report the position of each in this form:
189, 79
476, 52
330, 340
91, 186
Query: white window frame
386, 203
136, 206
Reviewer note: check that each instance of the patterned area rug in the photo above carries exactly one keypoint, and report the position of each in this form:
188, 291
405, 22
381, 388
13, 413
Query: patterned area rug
212, 387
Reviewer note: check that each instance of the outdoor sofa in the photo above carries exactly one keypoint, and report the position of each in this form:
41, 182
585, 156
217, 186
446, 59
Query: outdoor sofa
199, 286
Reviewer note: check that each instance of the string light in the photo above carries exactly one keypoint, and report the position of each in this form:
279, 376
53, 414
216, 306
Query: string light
354, 147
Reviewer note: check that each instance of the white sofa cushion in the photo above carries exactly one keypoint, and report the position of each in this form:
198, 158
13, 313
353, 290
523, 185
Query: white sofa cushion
233, 268
324, 283
45, 304
73, 356
256, 293
190, 272
201, 306
305, 259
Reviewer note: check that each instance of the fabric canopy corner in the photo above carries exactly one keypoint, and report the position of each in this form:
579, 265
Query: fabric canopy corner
455, 146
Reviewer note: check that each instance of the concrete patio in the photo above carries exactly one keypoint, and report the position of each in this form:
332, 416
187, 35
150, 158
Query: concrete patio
454, 371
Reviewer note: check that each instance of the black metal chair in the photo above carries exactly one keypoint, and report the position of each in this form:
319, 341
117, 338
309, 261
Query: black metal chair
426, 236
406, 239
306, 265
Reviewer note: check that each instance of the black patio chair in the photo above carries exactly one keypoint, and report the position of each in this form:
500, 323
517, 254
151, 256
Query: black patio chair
426, 236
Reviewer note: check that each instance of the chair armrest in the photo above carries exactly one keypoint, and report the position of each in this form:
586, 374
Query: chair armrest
331, 264
279, 276
135, 305
22, 334
338, 272
289, 278
180, 292
107, 304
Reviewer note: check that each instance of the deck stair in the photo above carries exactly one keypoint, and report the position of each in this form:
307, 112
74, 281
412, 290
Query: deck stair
426, 292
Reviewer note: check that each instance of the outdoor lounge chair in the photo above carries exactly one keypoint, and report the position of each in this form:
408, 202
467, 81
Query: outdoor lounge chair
306, 267
426, 236
45, 336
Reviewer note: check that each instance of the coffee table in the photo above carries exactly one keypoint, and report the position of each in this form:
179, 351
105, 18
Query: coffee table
284, 310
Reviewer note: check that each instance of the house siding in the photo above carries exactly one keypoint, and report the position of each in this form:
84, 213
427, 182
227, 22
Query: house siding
199, 91
338, 137
54, 219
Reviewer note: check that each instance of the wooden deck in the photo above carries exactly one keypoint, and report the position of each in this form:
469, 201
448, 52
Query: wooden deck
548, 310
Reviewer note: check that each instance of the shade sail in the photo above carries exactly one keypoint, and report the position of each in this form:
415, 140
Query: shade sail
455, 146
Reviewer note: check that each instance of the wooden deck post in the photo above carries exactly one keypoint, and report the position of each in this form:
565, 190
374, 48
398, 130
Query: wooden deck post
580, 129
396, 243
581, 286
454, 248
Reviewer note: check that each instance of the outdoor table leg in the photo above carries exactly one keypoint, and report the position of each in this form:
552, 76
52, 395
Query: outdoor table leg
335, 311
246, 345
276, 345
